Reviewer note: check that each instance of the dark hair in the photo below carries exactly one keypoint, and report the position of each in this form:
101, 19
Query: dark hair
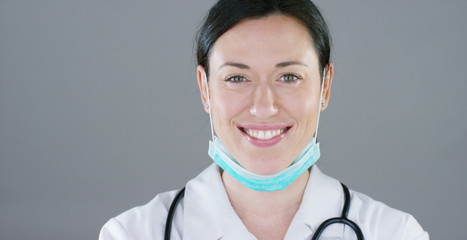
227, 13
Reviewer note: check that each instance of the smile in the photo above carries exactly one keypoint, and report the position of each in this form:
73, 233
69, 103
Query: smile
264, 136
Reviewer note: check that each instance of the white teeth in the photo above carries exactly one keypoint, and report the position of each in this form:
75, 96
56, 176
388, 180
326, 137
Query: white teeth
255, 134
261, 135
264, 135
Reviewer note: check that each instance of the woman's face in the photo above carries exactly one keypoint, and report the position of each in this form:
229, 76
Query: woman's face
264, 85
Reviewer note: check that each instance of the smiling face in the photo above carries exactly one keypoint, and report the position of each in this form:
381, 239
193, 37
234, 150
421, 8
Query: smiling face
264, 85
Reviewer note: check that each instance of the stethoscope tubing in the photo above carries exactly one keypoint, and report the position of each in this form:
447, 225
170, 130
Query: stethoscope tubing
168, 224
345, 221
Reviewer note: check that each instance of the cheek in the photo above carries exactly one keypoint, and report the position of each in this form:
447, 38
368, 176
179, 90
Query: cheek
300, 104
227, 105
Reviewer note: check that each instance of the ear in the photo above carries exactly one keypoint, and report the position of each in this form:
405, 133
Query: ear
203, 88
327, 85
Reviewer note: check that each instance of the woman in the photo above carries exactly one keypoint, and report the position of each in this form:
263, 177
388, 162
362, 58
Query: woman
264, 74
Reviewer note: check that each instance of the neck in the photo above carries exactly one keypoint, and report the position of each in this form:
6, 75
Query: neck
259, 209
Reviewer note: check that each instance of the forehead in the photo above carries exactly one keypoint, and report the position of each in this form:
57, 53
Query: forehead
266, 40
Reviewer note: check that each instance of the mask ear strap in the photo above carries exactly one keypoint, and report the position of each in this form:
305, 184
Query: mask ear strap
320, 102
205, 79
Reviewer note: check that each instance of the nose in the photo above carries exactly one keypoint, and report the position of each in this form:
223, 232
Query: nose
264, 105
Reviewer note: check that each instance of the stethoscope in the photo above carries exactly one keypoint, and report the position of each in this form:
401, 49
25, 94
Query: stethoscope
342, 219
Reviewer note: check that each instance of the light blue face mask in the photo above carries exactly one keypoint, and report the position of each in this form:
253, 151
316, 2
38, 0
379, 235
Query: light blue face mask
274, 182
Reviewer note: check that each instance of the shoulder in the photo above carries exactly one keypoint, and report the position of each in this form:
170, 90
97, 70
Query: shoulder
148, 221
374, 218
379, 221
141, 222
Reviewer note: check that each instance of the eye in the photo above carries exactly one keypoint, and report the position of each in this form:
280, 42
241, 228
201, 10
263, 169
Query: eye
236, 79
289, 78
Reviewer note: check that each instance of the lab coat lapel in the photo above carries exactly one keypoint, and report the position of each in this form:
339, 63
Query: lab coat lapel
206, 206
208, 212
323, 199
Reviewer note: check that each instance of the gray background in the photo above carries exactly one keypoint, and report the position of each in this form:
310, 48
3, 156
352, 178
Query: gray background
99, 109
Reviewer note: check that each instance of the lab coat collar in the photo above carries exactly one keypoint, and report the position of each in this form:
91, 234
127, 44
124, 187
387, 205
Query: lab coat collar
207, 206
323, 199
208, 213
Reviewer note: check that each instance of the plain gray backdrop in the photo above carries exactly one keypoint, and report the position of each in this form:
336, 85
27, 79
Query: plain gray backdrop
100, 109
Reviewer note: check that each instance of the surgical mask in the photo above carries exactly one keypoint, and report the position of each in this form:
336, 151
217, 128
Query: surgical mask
274, 182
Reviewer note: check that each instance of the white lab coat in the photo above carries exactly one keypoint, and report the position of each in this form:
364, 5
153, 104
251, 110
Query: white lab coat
205, 213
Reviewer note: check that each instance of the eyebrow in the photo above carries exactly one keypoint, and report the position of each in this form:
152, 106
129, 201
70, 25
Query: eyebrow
285, 64
233, 64
279, 65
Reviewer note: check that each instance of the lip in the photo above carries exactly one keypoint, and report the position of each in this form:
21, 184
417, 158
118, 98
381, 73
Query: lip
264, 143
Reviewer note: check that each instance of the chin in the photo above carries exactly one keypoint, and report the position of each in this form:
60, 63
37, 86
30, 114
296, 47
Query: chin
265, 166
